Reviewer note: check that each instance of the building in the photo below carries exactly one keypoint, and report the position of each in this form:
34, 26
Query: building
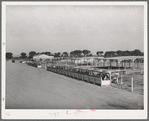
42, 57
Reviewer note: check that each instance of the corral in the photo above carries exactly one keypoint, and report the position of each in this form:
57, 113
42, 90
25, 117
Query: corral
30, 87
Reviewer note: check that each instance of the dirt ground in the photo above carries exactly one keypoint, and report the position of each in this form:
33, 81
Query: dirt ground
138, 80
28, 87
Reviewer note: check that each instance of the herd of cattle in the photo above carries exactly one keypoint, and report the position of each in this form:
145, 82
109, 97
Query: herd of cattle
87, 74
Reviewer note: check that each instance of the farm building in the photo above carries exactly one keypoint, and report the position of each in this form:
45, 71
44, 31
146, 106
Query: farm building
42, 57
124, 61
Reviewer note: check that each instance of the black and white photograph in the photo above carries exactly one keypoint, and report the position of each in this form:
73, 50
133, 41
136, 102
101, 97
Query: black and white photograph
74, 60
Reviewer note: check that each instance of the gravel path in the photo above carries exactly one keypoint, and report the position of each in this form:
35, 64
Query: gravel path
28, 87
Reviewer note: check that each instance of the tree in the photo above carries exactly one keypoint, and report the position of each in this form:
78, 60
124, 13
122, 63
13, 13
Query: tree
65, 54
42, 53
99, 53
23, 55
113, 53
72, 54
126, 53
137, 52
131, 53
119, 52
86, 52
48, 53
142, 54
31, 54
9, 55
77, 53
57, 54
106, 54
110, 54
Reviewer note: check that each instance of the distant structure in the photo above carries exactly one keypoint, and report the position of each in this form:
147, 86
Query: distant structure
124, 61
42, 57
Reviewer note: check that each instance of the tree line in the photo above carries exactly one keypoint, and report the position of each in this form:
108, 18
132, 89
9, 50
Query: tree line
135, 52
80, 53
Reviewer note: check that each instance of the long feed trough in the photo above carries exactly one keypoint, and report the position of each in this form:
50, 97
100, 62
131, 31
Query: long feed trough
80, 76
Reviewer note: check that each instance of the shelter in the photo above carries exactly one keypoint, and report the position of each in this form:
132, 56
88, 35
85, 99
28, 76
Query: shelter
123, 60
119, 62
87, 60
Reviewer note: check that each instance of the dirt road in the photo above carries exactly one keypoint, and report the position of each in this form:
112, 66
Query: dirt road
30, 88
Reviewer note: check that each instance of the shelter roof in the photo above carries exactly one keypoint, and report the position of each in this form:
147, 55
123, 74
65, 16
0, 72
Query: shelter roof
42, 56
125, 58
79, 58
112, 58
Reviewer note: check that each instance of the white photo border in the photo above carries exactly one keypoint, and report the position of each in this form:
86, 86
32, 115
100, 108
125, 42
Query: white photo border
66, 113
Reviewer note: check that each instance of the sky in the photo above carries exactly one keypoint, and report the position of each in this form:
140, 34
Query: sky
67, 28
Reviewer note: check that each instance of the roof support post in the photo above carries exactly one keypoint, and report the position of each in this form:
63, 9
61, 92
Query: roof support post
125, 64
104, 63
137, 63
104, 60
119, 62
133, 63
116, 63
129, 63
99, 63
110, 62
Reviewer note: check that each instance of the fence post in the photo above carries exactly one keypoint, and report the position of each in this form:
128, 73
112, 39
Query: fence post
132, 84
117, 79
46, 66
121, 81
101, 81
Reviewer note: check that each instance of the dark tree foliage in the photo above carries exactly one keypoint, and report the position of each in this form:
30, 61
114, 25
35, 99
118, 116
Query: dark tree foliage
31, 54
23, 55
99, 53
126, 53
46, 53
136, 52
110, 54
86, 52
142, 54
9, 55
57, 54
71, 53
76, 53
131, 53
119, 53
65, 54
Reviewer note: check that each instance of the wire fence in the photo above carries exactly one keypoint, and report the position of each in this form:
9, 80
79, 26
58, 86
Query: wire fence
132, 82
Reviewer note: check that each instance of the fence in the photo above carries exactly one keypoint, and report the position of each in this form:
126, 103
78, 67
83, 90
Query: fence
132, 82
